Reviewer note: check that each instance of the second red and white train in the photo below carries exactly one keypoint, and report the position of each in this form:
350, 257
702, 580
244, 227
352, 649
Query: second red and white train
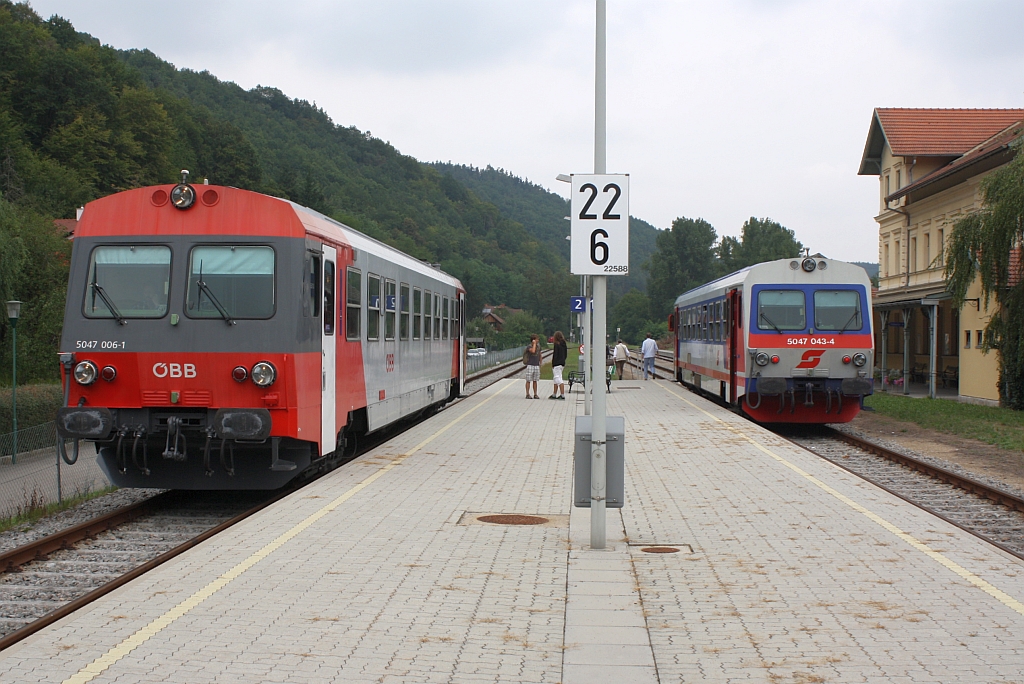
786, 341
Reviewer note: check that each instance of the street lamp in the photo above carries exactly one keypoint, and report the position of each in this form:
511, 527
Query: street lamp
13, 311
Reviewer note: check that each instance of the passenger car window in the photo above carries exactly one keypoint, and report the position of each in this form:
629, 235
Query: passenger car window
781, 310
417, 312
354, 298
129, 281
372, 307
403, 306
328, 297
389, 309
234, 281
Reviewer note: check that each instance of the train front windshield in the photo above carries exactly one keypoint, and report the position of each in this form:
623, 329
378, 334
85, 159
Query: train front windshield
235, 281
781, 310
128, 281
837, 310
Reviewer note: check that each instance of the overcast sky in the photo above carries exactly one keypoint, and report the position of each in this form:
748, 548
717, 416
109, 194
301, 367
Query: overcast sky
721, 110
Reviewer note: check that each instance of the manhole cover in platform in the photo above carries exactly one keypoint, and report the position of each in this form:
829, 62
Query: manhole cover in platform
513, 519
618, 387
660, 549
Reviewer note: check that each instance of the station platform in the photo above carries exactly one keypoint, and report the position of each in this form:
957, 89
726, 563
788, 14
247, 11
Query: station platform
789, 569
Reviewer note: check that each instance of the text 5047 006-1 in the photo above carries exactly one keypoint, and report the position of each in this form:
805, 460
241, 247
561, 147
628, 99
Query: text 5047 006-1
99, 344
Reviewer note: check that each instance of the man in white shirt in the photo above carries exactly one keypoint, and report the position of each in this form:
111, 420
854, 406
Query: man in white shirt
650, 350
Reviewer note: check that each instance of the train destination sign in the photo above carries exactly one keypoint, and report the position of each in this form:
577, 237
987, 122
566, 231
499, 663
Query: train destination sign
600, 224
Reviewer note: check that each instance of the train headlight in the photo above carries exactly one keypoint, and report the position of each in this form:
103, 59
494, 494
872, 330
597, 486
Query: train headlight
859, 359
239, 374
761, 359
264, 374
86, 373
809, 264
108, 373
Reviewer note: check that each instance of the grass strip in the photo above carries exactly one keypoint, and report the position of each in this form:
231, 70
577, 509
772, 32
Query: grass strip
36, 511
993, 425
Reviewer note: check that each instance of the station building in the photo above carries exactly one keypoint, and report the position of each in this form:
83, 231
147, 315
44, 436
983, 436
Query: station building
930, 163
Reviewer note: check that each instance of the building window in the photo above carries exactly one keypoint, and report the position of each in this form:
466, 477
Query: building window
967, 339
913, 254
885, 262
941, 246
928, 250
896, 260
977, 339
899, 180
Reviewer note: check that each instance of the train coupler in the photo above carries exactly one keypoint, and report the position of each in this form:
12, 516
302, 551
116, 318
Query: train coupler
808, 395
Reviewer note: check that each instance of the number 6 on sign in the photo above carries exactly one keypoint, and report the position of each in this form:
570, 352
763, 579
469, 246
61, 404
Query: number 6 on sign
600, 224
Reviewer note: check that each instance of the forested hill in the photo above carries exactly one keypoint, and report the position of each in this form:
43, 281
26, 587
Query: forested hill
80, 120
543, 214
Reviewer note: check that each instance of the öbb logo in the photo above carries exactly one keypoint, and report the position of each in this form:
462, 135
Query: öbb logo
174, 370
811, 358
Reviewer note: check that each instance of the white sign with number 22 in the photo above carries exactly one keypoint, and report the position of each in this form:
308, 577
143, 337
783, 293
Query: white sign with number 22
600, 224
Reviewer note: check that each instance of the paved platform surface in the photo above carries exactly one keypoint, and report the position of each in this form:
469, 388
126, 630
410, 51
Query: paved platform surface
790, 570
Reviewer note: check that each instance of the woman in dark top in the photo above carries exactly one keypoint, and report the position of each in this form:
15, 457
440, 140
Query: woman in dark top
532, 366
557, 366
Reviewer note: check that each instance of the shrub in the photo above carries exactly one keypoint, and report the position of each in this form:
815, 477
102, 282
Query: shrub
37, 404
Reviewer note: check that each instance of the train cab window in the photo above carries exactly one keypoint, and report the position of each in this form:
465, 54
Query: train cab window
354, 302
128, 281
781, 310
437, 316
417, 312
328, 297
372, 307
444, 316
313, 280
389, 309
237, 281
426, 314
837, 310
403, 307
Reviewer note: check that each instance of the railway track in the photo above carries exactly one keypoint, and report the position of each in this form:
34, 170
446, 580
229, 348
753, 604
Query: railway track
983, 509
51, 577
986, 511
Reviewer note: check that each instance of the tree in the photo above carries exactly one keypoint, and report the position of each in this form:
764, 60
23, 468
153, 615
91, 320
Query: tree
683, 259
986, 246
761, 240
632, 316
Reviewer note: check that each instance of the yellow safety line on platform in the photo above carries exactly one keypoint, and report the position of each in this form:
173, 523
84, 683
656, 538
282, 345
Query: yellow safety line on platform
98, 666
942, 560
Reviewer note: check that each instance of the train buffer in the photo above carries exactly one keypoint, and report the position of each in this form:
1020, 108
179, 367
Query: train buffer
453, 553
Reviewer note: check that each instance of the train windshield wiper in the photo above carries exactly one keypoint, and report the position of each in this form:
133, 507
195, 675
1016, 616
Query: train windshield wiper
769, 321
847, 324
203, 287
98, 289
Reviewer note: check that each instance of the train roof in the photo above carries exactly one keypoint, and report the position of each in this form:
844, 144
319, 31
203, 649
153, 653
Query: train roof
224, 210
769, 271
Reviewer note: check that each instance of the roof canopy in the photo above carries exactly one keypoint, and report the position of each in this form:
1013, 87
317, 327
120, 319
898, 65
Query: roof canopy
931, 132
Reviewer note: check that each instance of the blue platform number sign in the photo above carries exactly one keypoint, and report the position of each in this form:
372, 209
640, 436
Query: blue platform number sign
578, 304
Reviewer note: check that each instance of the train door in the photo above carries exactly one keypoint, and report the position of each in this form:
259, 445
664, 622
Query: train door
733, 350
329, 351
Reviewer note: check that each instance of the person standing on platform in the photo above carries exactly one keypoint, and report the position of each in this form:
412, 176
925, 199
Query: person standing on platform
558, 365
649, 349
621, 356
532, 366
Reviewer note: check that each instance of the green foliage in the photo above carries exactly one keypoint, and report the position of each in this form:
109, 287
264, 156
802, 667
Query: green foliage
37, 404
517, 330
631, 315
761, 240
986, 246
684, 259
999, 426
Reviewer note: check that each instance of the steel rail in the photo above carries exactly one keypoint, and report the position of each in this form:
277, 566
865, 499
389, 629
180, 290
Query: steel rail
84, 600
994, 494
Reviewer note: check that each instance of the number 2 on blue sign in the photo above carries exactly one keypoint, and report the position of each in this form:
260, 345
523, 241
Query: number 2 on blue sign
578, 304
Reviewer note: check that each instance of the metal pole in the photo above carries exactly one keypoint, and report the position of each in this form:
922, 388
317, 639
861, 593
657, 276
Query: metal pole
933, 349
14, 386
598, 435
908, 315
884, 317
587, 384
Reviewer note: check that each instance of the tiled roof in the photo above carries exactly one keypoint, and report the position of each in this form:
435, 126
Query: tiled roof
982, 157
942, 132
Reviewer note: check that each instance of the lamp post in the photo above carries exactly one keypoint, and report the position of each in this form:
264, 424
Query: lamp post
13, 311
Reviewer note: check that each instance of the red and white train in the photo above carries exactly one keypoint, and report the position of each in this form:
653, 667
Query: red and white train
216, 338
787, 341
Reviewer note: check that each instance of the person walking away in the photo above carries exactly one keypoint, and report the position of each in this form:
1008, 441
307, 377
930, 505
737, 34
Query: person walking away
650, 350
621, 356
532, 366
557, 366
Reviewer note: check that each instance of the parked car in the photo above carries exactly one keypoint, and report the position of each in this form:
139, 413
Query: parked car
479, 351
